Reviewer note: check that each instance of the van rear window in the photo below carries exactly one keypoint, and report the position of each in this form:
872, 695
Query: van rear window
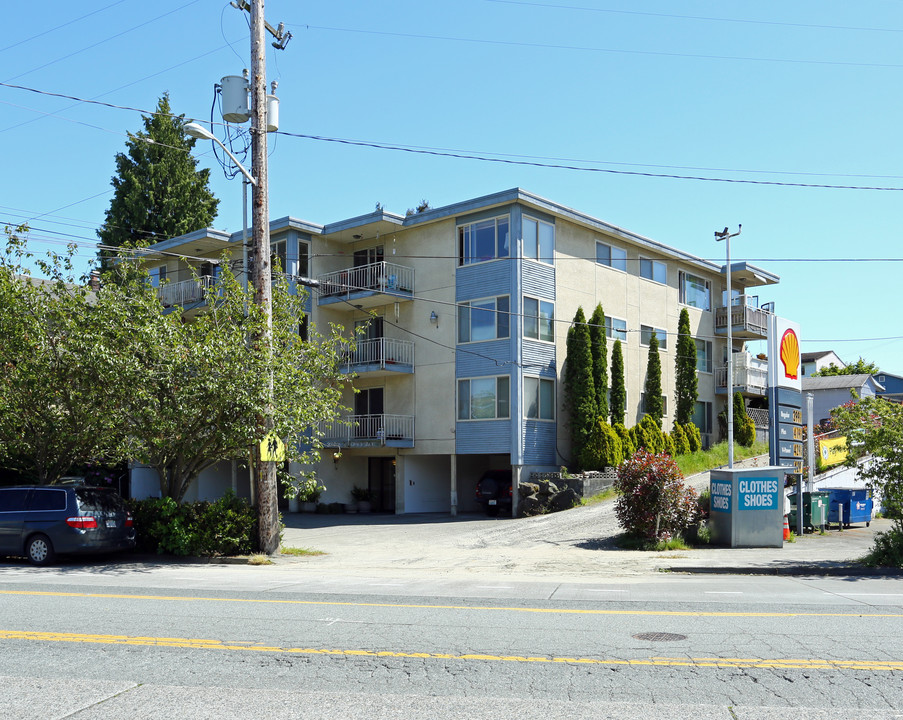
47, 500
100, 500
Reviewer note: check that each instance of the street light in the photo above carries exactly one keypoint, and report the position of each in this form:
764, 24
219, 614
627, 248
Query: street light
719, 236
199, 132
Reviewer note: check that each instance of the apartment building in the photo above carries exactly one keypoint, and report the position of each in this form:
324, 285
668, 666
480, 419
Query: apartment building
464, 311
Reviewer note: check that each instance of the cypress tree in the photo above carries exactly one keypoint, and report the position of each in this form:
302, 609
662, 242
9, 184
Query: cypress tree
599, 346
686, 387
618, 404
654, 403
580, 394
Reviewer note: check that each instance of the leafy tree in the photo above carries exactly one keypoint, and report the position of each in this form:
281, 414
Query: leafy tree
655, 406
686, 389
860, 367
599, 345
579, 393
618, 406
158, 192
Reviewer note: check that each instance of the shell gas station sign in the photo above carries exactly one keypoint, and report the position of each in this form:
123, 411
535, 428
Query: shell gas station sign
785, 394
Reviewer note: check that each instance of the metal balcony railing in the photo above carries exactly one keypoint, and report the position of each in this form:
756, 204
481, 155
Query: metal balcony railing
369, 431
380, 354
185, 292
747, 319
750, 375
378, 277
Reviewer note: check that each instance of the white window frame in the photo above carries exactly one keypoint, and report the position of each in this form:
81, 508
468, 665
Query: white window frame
613, 333
533, 397
468, 306
540, 304
619, 263
653, 265
534, 251
664, 404
683, 275
707, 354
466, 259
500, 405
660, 334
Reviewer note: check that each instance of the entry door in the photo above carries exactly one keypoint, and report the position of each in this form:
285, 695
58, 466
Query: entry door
381, 483
369, 352
369, 404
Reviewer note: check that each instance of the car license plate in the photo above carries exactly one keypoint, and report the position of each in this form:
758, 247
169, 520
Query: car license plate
493, 502
111, 523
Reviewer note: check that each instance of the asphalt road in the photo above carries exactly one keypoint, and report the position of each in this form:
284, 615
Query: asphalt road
141, 640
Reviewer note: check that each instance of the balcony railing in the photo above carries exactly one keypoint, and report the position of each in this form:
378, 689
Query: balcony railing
185, 292
750, 375
379, 278
370, 431
747, 319
378, 354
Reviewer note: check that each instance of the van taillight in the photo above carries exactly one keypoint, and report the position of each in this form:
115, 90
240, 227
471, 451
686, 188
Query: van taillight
82, 522
129, 522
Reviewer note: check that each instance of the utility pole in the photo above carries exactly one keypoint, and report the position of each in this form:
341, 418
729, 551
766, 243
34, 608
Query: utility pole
719, 236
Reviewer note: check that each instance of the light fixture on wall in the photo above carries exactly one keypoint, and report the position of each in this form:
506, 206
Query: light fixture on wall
336, 456
434, 318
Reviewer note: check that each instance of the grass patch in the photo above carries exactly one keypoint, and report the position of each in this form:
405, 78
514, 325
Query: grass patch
259, 559
716, 456
301, 552
630, 542
601, 497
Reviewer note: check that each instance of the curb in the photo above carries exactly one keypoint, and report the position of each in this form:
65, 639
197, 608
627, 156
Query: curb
792, 570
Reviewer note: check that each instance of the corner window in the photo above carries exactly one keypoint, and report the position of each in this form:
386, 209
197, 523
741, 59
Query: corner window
539, 398
613, 257
695, 291
539, 319
483, 398
654, 270
304, 259
482, 241
660, 335
616, 329
703, 355
539, 240
483, 320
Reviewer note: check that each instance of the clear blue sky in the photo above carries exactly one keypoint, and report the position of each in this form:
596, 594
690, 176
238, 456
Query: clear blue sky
774, 92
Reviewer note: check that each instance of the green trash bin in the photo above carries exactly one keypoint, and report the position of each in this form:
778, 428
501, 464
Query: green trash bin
815, 510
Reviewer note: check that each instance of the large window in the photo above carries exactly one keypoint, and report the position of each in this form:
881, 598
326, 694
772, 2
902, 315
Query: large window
660, 335
483, 398
695, 291
539, 398
539, 240
539, 319
703, 355
484, 240
616, 329
483, 320
613, 257
653, 270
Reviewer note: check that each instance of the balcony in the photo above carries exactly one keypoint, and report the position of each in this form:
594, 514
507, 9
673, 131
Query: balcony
362, 431
367, 286
748, 320
750, 376
185, 292
380, 356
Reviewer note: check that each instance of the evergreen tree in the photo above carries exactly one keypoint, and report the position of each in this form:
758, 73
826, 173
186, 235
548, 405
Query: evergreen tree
618, 404
580, 395
158, 192
599, 346
655, 406
686, 390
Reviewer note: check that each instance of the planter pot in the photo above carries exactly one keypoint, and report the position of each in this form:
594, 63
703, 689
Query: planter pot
293, 505
364, 506
309, 507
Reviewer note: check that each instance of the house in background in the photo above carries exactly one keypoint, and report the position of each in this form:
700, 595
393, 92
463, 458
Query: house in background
893, 386
465, 311
812, 362
835, 390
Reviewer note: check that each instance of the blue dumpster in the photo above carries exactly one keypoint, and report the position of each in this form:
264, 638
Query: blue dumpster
856, 504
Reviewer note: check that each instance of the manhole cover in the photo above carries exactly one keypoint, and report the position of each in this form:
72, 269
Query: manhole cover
659, 637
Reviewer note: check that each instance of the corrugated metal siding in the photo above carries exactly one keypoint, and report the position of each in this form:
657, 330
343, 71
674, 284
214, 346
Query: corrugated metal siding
489, 358
486, 436
488, 279
539, 443
539, 358
538, 280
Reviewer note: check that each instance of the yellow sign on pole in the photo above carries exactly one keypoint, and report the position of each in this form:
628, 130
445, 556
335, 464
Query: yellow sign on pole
272, 449
833, 451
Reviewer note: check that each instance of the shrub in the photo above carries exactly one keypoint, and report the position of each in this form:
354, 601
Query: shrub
744, 427
694, 439
653, 497
668, 445
648, 436
627, 446
679, 437
887, 550
603, 447
227, 526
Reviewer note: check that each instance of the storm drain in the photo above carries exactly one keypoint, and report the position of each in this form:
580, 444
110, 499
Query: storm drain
659, 637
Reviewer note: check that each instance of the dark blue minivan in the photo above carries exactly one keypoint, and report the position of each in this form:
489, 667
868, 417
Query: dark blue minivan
41, 521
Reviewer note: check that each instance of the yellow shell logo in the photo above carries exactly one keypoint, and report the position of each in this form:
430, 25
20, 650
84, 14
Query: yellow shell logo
790, 354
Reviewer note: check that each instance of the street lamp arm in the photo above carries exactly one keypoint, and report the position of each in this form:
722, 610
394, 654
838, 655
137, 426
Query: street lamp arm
201, 133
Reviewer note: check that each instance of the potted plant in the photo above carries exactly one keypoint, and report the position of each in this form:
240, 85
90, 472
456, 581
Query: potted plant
363, 499
309, 492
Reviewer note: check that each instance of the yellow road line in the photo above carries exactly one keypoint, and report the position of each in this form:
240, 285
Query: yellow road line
477, 608
208, 644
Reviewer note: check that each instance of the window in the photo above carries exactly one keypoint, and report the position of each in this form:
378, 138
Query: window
539, 399
702, 416
539, 319
483, 320
646, 409
47, 500
483, 398
653, 270
539, 240
616, 329
278, 252
161, 271
695, 292
303, 259
484, 240
613, 257
703, 356
660, 335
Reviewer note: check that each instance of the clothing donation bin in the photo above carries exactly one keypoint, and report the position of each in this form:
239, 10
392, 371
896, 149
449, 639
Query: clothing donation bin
747, 508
